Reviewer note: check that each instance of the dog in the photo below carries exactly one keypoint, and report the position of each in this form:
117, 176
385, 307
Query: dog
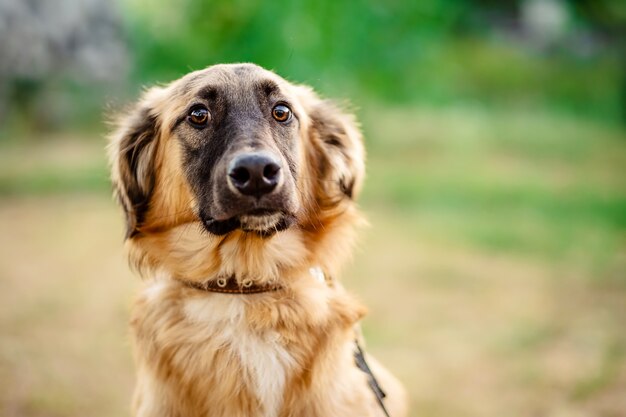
238, 189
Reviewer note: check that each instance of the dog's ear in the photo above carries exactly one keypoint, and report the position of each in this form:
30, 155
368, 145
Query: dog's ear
341, 156
132, 149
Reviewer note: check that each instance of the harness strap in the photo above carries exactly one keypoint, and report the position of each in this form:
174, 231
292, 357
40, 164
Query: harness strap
361, 363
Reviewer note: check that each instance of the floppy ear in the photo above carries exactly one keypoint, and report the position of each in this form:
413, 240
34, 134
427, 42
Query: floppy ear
337, 137
131, 153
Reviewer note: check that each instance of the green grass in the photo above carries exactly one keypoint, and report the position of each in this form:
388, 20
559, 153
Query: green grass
58, 164
54, 180
513, 182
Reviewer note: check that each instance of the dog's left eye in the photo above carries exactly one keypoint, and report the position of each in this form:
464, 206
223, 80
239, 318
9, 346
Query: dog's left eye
281, 113
198, 116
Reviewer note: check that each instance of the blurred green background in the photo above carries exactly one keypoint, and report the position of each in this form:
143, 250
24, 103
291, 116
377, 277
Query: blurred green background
495, 264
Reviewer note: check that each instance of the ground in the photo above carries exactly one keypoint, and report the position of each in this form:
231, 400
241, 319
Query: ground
494, 267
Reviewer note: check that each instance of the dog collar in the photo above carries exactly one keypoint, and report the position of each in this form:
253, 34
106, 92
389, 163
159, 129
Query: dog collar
230, 285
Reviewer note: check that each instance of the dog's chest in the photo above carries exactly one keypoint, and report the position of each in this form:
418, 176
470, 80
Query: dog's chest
261, 357
268, 363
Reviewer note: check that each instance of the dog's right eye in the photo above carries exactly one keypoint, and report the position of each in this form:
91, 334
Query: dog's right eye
198, 117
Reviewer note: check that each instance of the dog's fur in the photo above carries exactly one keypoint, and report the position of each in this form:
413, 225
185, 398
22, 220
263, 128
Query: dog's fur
273, 354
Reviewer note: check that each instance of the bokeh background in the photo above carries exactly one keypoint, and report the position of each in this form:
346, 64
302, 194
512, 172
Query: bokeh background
495, 263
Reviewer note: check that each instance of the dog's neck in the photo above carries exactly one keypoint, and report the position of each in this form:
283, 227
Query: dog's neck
232, 285
186, 252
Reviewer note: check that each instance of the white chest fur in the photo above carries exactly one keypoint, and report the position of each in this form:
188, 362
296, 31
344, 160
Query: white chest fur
264, 360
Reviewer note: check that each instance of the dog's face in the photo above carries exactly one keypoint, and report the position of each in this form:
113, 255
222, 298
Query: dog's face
235, 148
242, 143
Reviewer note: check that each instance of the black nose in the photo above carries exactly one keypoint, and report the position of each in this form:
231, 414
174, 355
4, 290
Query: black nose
254, 173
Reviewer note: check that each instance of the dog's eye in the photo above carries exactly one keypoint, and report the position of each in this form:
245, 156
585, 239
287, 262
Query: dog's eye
198, 116
281, 113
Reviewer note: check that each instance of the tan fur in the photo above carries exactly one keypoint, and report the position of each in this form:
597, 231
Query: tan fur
280, 354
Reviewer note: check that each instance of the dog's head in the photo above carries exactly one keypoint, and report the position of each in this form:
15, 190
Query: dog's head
237, 149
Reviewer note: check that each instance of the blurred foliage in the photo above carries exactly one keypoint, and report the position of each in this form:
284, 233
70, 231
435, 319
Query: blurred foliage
432, 51
564, 55
56, 61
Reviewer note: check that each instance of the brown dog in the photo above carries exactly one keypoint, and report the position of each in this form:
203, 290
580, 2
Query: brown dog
238, 189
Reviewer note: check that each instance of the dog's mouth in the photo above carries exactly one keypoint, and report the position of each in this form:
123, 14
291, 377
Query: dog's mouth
259, 220
263, 222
